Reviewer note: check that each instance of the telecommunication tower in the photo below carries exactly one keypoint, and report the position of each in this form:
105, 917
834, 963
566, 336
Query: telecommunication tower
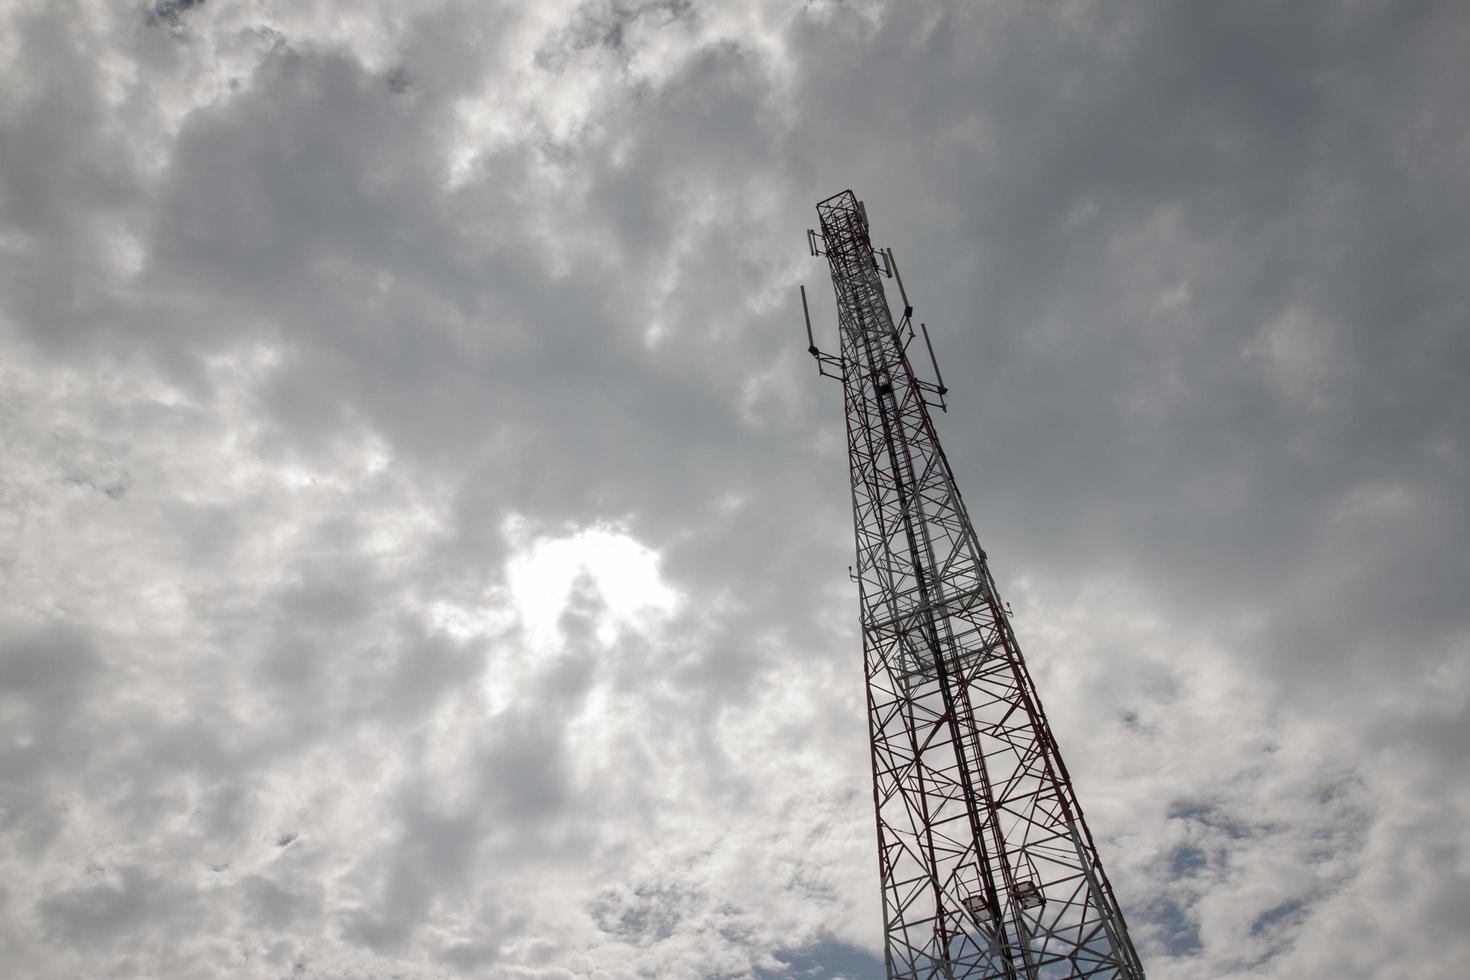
987, 867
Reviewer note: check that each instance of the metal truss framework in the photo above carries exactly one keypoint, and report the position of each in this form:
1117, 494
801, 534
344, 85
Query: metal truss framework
987, 867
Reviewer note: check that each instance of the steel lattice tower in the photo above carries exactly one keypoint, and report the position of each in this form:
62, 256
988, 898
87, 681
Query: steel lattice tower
987, 867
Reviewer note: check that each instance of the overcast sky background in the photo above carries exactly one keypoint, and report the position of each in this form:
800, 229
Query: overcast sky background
423, 536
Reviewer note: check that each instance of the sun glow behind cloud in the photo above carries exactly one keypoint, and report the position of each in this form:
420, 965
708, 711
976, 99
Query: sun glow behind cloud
625, 574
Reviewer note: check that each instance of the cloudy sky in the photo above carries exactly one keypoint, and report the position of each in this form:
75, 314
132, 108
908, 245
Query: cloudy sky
423, 536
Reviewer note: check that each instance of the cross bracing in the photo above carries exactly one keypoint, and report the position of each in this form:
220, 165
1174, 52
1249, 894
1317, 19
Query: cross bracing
986, 864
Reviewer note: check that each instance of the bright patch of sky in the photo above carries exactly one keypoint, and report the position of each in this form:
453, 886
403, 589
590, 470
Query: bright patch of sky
543, 572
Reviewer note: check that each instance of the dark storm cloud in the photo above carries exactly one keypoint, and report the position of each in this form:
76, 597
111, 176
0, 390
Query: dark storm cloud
329, 301
1212, 304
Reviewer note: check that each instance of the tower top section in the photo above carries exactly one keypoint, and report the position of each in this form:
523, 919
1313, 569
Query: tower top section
864, 316
844, 223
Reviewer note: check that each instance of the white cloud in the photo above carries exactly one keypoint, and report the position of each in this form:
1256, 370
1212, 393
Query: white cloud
624, 574
422, 533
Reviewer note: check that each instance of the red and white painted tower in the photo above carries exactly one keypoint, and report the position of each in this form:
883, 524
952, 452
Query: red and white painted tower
987, 866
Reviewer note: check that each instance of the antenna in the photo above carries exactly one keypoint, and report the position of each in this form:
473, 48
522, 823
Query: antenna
811, 344
828, 365
924, 329
908, 308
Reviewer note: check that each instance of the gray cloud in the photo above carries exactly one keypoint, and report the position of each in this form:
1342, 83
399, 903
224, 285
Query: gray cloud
317, 325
